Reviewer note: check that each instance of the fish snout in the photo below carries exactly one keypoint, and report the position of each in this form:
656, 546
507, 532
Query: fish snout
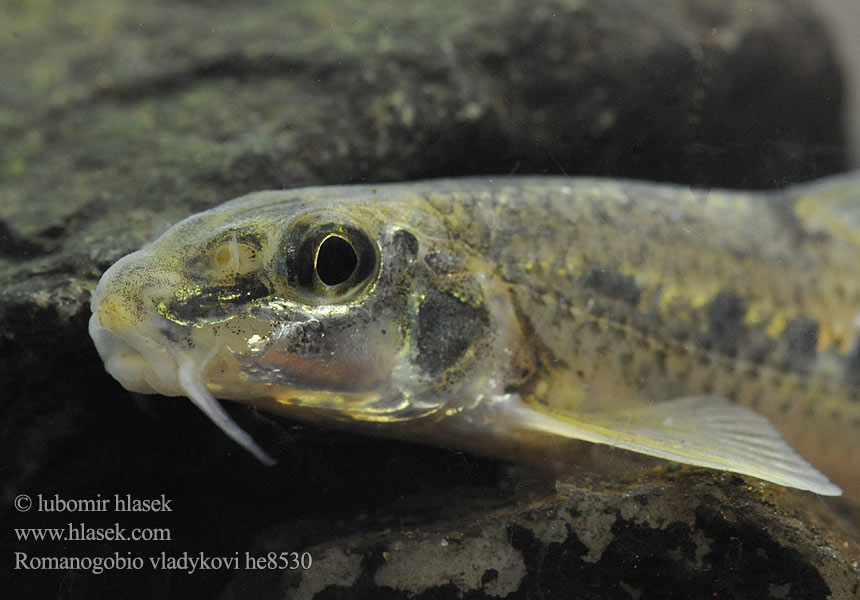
128, 337
124, 363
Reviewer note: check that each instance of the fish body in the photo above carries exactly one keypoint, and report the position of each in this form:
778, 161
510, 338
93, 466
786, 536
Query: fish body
504, 315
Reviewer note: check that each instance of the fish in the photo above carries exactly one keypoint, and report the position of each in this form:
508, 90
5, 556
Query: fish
508, 316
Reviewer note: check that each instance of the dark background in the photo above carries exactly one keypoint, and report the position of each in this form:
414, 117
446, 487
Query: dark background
119, 118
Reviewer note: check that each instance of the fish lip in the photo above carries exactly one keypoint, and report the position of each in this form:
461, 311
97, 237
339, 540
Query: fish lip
141, 364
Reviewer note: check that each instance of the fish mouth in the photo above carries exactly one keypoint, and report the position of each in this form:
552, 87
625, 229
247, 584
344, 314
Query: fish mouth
138, 362
143, 364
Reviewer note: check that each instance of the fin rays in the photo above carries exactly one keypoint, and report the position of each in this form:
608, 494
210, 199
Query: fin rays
707, 431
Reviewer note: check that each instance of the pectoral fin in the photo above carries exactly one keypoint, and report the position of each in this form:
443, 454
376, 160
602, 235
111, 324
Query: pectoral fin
707, 431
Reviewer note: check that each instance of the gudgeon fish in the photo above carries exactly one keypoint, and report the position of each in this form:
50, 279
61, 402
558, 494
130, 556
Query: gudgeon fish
505, 315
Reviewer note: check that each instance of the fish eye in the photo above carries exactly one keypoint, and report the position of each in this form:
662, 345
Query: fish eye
328, 261
336, 260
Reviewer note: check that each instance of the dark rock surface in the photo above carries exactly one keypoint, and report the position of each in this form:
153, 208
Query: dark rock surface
119, 118
689, 536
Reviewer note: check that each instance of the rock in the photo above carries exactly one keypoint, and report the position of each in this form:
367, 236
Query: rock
689, 535
119, 118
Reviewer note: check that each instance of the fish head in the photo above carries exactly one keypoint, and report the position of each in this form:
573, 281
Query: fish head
347, 306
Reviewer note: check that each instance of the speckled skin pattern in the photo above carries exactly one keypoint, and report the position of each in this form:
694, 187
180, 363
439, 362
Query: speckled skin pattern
576, 294
647, 292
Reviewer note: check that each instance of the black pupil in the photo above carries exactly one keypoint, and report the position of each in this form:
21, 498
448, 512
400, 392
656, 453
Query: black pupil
336, 260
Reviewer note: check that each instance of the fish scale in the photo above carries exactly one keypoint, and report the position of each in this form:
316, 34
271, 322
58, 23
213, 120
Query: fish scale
692, 248
503, 315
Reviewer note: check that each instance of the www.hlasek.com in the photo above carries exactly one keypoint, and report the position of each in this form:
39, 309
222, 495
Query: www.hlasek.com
189, 562
81, 532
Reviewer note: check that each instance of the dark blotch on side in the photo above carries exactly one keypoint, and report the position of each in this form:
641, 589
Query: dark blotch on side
447, 327
610, 282
727, 329
406, 243
801, 336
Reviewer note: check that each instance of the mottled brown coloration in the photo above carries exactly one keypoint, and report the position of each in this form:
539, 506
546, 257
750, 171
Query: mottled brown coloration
728, 300
505, 315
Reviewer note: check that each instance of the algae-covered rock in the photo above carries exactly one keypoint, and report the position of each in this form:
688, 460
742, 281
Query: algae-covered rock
119, 118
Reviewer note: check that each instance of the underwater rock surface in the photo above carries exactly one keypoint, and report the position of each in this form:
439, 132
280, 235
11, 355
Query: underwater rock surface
691, 535
119, 118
